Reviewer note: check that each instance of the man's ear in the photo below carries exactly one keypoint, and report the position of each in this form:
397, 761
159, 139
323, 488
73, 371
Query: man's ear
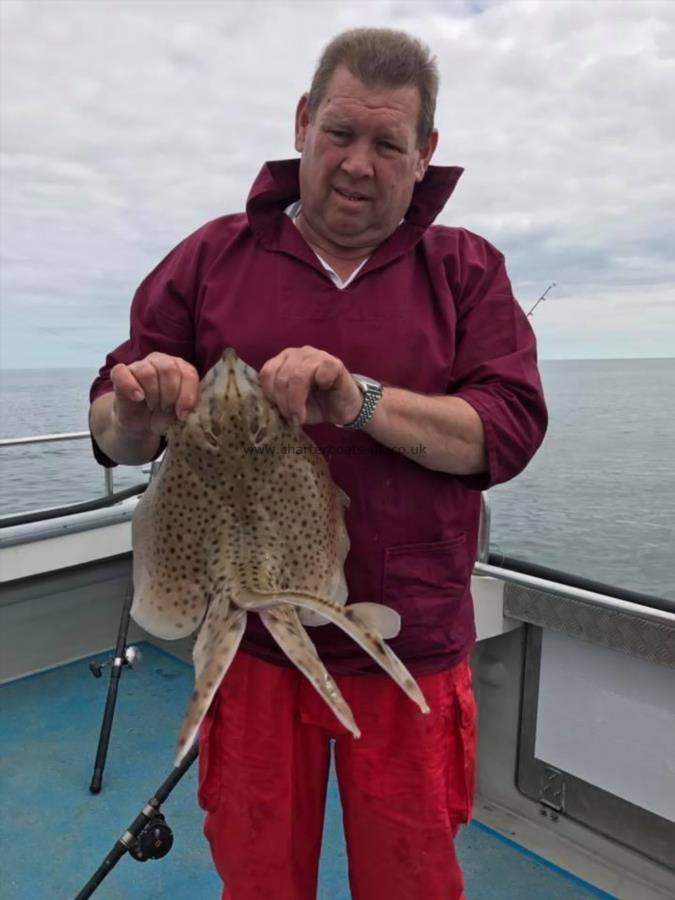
426, 151
301, 122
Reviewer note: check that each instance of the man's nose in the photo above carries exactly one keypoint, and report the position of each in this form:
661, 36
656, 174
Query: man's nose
357, 162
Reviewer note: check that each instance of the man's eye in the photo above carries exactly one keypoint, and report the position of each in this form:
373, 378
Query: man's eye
337, 133
387, 146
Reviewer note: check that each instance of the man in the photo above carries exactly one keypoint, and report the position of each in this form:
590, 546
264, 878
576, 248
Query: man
335, 269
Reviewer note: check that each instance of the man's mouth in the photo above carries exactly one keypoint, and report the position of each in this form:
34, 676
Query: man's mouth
352, 196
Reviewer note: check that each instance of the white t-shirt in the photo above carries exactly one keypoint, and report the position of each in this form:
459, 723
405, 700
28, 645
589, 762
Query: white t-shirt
292, 212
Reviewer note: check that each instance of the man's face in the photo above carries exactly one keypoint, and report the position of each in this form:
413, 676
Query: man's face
360, 162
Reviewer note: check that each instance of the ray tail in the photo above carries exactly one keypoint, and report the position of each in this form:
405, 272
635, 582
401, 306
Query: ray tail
286, 628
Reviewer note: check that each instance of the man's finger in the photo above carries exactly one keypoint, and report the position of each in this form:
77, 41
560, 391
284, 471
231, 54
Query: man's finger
327, 375
274, 379
268, 373
298, 388
169, 376
188, 393
279, 391
125, 383
292, 384
146, 375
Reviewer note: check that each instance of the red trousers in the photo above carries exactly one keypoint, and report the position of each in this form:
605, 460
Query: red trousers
406, 785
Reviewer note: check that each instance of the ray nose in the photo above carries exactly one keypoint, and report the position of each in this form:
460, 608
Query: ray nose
224, 373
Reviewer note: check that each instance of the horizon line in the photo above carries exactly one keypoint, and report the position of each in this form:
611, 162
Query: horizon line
95, 369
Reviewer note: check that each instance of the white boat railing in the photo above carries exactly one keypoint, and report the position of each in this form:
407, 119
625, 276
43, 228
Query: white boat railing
63, 436
44, 438
571, 592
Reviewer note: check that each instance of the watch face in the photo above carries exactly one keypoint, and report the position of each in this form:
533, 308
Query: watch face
372, 392
365, 383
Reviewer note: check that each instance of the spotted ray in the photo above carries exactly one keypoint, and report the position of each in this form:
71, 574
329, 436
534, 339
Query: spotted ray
243, 517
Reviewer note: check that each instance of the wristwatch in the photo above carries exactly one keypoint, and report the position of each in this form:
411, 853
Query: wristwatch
372, 393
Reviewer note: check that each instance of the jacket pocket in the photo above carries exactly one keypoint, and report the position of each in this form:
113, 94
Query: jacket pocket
425, 583
428, 586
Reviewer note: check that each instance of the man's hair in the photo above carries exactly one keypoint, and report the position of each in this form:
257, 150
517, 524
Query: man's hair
384, 58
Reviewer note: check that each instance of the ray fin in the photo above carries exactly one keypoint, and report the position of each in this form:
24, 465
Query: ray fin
166, 607
351, 622
344, 498
378, 617
213, 652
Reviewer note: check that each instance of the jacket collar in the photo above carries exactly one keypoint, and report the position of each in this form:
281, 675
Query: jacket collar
278, 184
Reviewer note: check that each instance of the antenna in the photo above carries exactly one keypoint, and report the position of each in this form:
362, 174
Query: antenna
543, 297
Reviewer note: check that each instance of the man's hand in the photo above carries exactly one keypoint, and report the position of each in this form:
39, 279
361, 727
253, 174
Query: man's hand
441, 433
310, 386
147, 397
150, 394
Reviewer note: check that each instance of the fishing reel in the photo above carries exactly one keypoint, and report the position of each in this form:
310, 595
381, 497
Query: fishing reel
153, 841
132, 655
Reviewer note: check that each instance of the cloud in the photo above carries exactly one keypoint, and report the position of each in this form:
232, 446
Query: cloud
127, 125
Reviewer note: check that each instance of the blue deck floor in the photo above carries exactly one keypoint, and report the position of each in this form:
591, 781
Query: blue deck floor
54, 833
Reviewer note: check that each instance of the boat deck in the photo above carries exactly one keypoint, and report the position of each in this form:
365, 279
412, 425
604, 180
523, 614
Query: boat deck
54, 833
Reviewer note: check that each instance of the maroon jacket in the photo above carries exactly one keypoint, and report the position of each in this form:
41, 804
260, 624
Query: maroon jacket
431, 311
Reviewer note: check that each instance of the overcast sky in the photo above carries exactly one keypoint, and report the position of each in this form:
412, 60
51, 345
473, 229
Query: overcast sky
125, 126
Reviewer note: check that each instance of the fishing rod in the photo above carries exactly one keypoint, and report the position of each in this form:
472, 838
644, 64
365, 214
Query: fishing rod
542, 298
148, 836
123, 657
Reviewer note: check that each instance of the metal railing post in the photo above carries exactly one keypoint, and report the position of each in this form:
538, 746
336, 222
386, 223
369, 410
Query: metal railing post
484, 530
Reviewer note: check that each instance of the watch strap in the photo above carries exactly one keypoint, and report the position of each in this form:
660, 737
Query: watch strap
372, 394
